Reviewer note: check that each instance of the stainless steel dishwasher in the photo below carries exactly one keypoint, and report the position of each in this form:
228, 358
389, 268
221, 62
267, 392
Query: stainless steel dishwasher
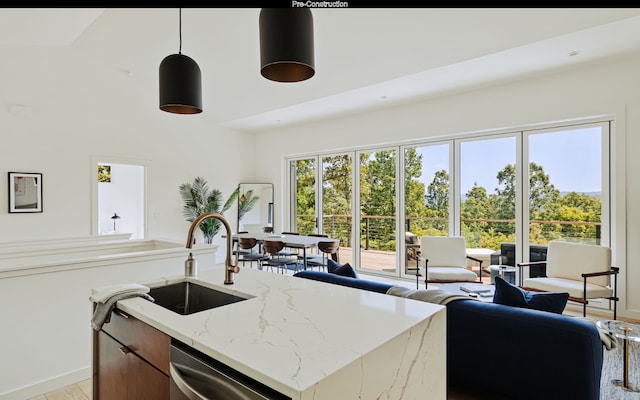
196, 376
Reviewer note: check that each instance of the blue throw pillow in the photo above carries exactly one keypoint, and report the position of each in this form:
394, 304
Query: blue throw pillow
511, 295
344, 270
332, 265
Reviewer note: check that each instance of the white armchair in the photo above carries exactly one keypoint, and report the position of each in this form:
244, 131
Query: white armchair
445, 260
582, 270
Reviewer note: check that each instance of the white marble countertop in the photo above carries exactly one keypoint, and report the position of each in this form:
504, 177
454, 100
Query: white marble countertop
293, 332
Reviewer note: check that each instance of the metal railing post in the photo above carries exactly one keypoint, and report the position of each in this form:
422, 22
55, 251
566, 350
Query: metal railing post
366, 233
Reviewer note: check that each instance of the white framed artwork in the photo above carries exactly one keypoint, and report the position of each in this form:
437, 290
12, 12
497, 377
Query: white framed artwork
25, 192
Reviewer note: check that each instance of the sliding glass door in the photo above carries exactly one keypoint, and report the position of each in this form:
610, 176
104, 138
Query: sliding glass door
487, 192
508, 194
337, 193
427, 195
321, 198
303, 193
567, 187
377, 210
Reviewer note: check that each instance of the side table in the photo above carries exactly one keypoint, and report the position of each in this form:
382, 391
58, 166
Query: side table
506, 272
626, 332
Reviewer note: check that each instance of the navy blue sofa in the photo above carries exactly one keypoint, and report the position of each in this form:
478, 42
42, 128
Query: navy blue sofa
364, 284
501, 352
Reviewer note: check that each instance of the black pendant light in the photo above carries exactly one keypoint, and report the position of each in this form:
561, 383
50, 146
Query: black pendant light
180, 83
286, 44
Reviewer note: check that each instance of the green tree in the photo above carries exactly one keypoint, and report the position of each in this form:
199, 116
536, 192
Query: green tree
377, 197
476, 206
336, 194
578, 207
305, 196
414, 190
589, 204
543, 196
104, 173
336, 185
437, 200
505, 200
437, 197
542, 193
380, 177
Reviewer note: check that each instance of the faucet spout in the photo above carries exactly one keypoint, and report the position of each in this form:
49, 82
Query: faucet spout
229, 268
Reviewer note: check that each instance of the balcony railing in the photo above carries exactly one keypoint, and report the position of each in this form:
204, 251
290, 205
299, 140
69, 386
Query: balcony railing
378, 232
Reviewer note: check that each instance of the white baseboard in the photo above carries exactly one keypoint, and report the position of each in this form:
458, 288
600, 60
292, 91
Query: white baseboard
49, 385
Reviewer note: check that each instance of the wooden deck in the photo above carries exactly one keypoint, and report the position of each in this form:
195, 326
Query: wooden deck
378, 261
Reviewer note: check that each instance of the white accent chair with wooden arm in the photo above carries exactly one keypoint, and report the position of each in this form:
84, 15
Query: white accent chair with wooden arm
445, 260
582, 270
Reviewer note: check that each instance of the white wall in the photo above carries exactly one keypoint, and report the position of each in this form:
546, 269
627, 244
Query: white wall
78, 109
75, 111
609, 88
46, 329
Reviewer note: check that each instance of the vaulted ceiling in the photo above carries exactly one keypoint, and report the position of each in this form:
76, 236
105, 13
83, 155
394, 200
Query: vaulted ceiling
365, 58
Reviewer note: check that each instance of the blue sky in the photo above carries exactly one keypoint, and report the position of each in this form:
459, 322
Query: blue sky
571, 158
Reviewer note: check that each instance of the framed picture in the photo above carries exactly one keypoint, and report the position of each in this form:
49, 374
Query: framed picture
25, 192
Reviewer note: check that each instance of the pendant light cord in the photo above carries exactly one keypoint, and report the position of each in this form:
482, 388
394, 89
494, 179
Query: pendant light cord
180, 29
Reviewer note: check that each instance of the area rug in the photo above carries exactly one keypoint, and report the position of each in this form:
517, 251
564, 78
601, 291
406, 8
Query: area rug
612, 368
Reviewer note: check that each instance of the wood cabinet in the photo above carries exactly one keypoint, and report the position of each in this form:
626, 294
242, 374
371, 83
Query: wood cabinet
130, 360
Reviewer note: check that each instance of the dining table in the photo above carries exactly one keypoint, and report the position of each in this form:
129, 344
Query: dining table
303, 242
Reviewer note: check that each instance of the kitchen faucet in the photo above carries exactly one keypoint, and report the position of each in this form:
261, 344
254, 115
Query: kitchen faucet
229, 268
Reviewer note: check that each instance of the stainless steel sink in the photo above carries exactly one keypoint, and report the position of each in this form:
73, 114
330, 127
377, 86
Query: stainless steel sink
187, 297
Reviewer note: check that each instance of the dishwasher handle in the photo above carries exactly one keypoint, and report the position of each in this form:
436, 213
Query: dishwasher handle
187, 390
211, 385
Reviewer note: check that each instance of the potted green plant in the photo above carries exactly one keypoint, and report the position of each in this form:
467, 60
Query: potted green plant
199, 199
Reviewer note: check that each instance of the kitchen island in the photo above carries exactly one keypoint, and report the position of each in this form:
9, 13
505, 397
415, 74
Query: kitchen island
313, 340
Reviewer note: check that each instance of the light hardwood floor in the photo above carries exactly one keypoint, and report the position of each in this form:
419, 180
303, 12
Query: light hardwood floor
79, 391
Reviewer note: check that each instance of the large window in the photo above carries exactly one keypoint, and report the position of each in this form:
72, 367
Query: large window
303, 196
566, 184
337, 196
514, 190
377, 210
426, 196
488, 191
327, 208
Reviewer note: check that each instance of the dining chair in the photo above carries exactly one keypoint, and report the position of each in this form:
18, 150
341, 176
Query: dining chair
316, 252
327, 248
273, 248
582, 270
445, 260
237, 251
252, 256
